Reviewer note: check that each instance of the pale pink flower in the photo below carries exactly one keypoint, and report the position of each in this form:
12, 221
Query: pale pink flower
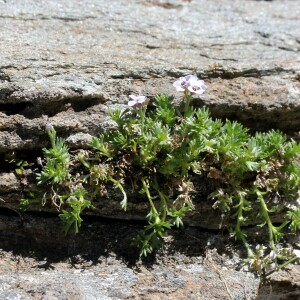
137, 101
197, 86
183, 82
191, 83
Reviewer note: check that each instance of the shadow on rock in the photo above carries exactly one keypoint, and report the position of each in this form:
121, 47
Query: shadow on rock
43, 238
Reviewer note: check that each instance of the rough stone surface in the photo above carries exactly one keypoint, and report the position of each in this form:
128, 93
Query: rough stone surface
282, 285
37, 262
70, 62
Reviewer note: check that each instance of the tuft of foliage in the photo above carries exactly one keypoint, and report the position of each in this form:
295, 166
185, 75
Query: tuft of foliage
158, 150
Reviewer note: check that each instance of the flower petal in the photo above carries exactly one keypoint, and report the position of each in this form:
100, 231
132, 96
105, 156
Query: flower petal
141, 99
190, 77
132, 103
181, 84
133, 97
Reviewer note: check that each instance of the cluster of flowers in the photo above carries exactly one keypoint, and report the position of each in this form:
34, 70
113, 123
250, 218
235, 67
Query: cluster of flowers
190, 83
187, 84
262, 262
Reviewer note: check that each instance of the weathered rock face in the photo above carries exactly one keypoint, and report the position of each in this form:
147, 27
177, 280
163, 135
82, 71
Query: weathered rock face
39, 262
99, 263
71, 62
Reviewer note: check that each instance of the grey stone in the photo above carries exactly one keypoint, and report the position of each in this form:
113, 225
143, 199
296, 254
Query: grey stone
98, 264
9, 182
40, 262
70, 63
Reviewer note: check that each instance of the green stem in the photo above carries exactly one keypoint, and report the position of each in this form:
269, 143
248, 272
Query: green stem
279, 267
239, 223
83, 161
142, 112
162, 198
164, 205
267, 218
188, 98
149, 196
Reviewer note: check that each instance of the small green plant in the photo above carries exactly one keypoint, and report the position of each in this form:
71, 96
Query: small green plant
19, 164
156, 149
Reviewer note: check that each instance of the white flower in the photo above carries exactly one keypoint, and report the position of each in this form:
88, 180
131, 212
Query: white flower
197, 86
183, 82
191, 83
48, 126
137, 101
260, 250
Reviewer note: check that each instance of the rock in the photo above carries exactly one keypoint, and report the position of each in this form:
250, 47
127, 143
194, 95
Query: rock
58, 64
9, 182
99, 263
70, 64
282, 285
39, 262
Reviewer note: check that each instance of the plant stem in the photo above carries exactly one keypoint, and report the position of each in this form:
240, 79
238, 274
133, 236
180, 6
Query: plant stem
267, 218
188, 98
279, 267
149, 196
162, 198
239, 223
